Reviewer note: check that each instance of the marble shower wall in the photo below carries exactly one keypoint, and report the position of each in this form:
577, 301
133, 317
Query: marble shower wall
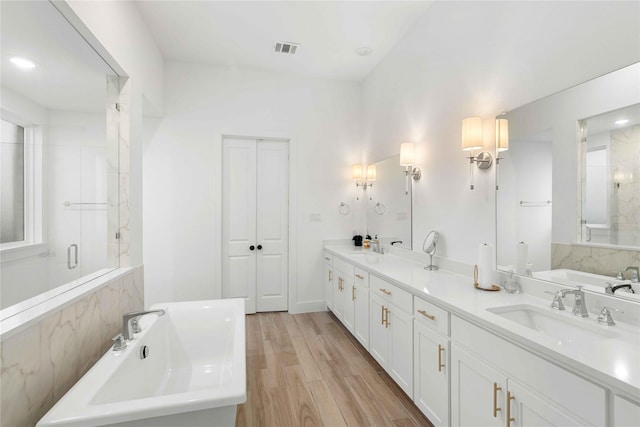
39, 364
591, 259
625, 203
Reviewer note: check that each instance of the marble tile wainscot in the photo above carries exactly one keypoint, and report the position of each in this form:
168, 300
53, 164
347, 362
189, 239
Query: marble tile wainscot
41, 361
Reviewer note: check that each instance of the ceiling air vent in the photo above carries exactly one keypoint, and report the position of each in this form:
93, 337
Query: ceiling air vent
286, 47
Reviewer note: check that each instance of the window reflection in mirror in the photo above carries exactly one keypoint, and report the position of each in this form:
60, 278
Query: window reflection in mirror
58, 172
388, 206
611, 180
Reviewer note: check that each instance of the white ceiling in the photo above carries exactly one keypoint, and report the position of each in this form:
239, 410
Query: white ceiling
242, 33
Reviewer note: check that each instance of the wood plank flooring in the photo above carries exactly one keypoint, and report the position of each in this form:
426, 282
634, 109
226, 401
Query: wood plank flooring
308, 370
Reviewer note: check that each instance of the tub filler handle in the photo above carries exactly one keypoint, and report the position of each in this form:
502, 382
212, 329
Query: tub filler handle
131, 318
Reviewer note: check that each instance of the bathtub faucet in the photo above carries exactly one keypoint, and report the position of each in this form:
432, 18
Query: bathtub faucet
130, 322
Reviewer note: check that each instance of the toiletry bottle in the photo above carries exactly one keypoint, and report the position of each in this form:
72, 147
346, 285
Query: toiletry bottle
511, 284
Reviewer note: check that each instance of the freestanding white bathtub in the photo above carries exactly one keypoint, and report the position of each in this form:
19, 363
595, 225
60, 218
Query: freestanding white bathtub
194, 374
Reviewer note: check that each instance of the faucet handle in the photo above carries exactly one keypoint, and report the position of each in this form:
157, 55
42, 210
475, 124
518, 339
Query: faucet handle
135, 325
605, 317
119, 343
557, 303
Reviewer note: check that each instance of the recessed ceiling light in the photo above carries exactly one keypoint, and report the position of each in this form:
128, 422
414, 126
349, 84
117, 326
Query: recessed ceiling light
621, 122
23, 63
364, 51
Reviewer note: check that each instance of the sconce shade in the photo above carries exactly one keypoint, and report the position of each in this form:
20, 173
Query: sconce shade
502, 135
356, 172
472, 134
406, 154
371, 173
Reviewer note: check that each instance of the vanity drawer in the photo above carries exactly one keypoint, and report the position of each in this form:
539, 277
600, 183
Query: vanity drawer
345, 268
328, 258
396, 296
361, 277
431, 315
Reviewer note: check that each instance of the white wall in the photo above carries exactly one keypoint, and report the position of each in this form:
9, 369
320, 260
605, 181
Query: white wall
182, 172
477, 59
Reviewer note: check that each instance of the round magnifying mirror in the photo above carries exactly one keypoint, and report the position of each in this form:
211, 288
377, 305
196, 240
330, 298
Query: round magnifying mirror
429, 246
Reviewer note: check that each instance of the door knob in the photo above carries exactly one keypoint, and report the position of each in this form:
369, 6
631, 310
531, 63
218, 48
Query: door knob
251, 247
259, 247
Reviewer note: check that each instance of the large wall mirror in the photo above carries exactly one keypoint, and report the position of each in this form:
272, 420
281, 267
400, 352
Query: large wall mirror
568, 198
59, 166
388, 204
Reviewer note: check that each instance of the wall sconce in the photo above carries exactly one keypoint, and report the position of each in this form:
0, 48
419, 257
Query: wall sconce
407, 160
362, 180
502, 143
472, 140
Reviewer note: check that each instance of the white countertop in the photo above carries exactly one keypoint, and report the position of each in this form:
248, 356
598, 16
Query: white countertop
613, 360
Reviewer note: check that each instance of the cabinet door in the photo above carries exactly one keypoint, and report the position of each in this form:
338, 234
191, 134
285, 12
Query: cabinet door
477, 391
349, 297
431, 374
328, 286
527, 409
625, 412
400, 333
361, 316
338, 299
378, 338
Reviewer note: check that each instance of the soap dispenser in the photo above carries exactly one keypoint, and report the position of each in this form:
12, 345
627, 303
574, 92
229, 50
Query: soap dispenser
511, 284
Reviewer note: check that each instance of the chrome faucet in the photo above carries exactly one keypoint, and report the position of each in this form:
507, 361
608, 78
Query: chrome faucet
635, 272
579, 307
557, 303
376, 247
131, 319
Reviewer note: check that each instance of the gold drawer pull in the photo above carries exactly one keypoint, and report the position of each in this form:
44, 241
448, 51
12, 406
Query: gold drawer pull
340, 287
353, 293
384, 291
359, 276
427, 315
495, 400
382, 316
510, 397
440, 364
386, 320
327, 258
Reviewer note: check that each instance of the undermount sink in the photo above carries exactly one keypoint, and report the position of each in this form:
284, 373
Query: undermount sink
562, 327
368, 257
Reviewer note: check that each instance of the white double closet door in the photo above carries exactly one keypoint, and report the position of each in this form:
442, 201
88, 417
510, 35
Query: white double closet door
255, 222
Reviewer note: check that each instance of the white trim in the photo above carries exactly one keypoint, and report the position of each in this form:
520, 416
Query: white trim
308, 307
20, 316
18, 250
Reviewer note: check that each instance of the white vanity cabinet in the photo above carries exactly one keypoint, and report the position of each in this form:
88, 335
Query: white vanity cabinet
328, 280
342, 288
350, 294
625, 412
361, 307
493, 380
391, 339
431, 361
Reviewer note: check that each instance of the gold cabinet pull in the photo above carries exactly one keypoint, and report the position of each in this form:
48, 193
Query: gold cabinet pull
386, 320
382, 316
340, 287
495, 400
510, 397
384, 291
427, 315
327, 258
440, 364
359, 276
353, 293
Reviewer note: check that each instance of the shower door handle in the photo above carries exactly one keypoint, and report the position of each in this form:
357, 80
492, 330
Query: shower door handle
75, 260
